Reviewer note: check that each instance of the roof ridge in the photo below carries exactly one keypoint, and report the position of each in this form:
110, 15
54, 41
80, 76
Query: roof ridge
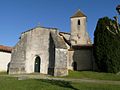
39, 27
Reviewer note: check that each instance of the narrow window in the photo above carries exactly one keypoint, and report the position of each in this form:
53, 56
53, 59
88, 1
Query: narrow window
78, 22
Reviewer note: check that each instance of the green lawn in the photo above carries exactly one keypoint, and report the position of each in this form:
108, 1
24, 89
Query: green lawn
10, 83
93, 75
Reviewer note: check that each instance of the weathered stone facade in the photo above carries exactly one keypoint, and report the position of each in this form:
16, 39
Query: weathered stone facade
44, 43
48, 51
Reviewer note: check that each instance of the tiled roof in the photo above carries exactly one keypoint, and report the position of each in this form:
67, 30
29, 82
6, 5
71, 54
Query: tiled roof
78, 14
5, 49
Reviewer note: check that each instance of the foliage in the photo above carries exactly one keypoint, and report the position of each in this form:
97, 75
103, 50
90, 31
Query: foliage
107, 46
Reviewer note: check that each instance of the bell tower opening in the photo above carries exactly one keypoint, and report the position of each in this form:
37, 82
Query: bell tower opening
78, 22
37, 64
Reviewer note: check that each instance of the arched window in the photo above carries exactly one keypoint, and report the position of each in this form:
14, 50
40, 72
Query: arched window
78, 22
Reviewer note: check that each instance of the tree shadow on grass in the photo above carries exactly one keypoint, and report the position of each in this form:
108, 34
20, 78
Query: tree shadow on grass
60, 83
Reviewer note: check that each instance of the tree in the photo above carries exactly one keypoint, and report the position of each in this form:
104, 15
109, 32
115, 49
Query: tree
107, 46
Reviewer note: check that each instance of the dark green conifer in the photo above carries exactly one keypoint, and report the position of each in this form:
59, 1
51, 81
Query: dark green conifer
107, 46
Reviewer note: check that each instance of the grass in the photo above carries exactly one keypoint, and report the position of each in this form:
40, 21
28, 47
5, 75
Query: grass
93, 75
3, 73
10, 83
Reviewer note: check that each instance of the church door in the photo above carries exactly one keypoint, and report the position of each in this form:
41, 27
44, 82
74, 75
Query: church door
37, 64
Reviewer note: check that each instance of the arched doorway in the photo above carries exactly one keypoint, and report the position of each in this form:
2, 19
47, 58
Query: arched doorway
37, 64
75, 66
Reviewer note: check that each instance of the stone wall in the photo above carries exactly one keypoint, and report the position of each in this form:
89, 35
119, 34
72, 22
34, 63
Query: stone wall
83, 57
34, 43
60, 62
17, 63
37, 45
70, 59
78, 32
60, 65
5, 58
52, 56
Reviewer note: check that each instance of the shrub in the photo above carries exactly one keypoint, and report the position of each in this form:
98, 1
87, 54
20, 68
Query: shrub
107, 46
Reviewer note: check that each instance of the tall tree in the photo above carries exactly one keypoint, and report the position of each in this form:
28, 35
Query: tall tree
107, 46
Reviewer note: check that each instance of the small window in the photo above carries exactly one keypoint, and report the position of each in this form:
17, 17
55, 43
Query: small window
78, 22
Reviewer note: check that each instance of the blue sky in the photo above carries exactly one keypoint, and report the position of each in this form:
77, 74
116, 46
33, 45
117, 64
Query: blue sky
17, 16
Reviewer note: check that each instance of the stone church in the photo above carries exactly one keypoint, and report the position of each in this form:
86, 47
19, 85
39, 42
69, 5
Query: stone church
48, 51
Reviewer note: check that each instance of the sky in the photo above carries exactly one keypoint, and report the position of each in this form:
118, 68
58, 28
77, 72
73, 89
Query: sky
17, 16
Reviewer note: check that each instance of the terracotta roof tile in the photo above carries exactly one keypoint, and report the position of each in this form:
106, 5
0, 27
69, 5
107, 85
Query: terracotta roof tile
5, 48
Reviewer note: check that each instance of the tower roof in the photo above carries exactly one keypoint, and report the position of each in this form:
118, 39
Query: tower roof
78, 14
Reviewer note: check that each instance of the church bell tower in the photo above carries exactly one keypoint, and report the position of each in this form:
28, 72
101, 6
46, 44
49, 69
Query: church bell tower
79, 35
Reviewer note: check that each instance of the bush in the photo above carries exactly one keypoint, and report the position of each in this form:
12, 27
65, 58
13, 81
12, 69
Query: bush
106, 46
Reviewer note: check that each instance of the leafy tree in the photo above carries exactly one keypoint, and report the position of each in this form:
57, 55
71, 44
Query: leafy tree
107, 46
